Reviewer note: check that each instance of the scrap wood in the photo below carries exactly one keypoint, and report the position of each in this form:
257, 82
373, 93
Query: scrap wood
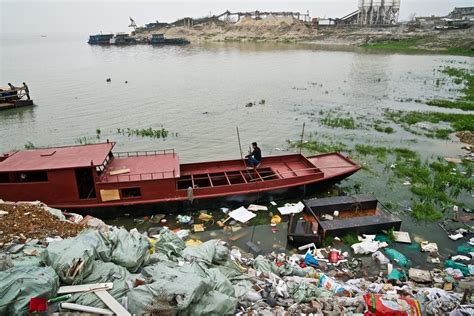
119, 171
112, 303
84, 308
255, 207
85, 287
221, 223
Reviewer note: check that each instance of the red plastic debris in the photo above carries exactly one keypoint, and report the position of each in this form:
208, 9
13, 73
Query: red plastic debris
38, 304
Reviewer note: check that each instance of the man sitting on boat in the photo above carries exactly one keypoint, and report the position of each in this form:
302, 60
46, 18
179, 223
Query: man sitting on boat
255, 157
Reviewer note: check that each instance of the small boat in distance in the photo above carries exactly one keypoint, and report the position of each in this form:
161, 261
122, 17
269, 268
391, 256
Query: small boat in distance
15, 97
160, 39
97, 180
100, 39
122, 39
337, 216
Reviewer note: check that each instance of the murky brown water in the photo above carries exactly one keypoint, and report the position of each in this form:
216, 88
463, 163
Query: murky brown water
200, 92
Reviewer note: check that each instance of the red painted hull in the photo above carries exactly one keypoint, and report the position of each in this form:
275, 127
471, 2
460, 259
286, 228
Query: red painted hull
143, 179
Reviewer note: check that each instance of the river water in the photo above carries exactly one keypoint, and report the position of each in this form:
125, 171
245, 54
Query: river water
199, 93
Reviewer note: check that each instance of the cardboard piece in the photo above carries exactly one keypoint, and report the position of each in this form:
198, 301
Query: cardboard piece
242, 215
109, 195
198, 228
291, 208
254, 208
402, 237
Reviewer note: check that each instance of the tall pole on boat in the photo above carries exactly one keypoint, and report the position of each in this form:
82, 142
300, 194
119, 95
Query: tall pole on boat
240, 145
302, 135
241, 154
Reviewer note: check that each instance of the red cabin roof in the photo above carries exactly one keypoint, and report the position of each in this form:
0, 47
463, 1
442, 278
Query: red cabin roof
56, 157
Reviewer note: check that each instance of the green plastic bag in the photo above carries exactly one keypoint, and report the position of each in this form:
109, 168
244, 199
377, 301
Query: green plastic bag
396, 256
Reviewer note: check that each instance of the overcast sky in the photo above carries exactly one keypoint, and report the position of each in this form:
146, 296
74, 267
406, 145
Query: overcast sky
46, 16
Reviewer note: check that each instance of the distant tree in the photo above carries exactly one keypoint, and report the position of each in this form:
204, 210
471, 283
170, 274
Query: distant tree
412, 17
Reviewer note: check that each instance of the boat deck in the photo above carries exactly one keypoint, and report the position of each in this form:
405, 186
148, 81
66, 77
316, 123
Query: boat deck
234, 172
152, 166
332, 164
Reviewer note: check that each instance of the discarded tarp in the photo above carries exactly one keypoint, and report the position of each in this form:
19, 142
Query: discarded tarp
103, 272
171, 290
19, 284
130, 249
72, 258
264, 265
212, 251
168, 246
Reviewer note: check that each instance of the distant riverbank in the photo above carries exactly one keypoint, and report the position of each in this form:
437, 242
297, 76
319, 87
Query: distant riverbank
401, 39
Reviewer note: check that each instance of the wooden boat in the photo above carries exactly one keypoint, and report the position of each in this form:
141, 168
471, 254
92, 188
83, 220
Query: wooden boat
358, 214
14, 98
93, 178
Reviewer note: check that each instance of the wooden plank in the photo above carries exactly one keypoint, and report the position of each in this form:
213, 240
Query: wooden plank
85, 287
112, 303
119, 171
84, 308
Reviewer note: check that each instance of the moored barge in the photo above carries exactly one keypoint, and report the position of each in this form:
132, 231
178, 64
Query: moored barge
337, 216
95, 179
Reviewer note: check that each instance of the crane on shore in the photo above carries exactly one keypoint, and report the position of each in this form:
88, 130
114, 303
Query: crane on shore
132, 23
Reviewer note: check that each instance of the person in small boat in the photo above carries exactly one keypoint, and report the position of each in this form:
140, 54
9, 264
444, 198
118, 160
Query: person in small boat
27, 91
12, 94
254, 158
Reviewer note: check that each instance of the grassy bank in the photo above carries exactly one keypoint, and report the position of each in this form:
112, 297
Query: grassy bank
415, 45
458, 122
434, 184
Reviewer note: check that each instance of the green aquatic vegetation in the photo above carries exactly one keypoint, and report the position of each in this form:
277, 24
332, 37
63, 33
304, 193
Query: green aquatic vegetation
459, 122
29, 145
458, 104
144, 132
387, 129
350, 239
426, 211
342, 122
466, 102
379, 152
320, 147
404, 153
84, 140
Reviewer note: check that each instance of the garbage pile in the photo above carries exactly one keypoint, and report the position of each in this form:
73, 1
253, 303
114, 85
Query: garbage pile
33, 220
116, 271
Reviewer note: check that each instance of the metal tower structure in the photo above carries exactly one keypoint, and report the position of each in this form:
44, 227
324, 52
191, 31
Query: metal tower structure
376, 12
